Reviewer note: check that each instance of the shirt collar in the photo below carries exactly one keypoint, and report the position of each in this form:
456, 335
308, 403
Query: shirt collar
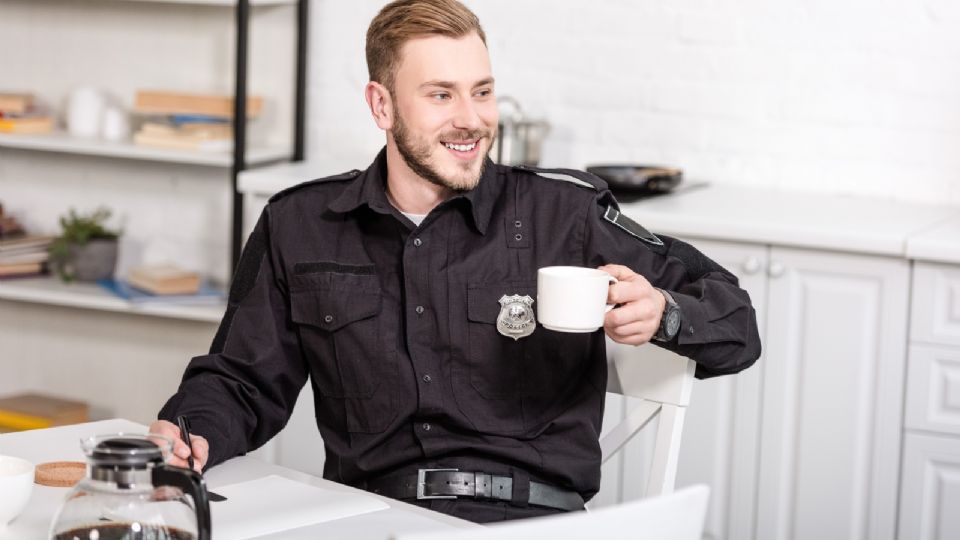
370, 189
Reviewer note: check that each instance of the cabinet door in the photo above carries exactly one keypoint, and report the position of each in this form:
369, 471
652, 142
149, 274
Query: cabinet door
721, 428
832, 396
931, 488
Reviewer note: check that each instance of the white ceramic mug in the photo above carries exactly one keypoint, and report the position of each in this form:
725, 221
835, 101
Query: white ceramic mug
572, 298
85, 112
16, 483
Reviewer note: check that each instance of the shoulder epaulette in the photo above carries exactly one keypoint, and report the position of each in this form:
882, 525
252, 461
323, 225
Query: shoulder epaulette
580, 178
337, 177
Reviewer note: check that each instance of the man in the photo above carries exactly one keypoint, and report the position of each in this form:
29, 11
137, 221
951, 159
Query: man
384, 287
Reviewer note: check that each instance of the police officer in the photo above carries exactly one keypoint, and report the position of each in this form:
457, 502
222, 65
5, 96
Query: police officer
382, 288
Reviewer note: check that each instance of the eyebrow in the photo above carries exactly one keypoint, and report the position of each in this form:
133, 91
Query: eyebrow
451, 84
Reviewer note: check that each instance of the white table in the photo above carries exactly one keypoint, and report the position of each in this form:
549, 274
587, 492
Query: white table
63, 444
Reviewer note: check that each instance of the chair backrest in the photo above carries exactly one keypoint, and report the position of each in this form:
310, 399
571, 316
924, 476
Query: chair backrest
663, 381
675, 516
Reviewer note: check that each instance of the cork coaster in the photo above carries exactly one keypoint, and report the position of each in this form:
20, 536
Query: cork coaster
60, 473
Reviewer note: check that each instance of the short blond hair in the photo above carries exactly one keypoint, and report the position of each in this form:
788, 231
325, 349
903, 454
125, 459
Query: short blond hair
403, 20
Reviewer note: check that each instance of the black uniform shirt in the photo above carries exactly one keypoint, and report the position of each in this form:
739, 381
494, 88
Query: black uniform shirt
395, 325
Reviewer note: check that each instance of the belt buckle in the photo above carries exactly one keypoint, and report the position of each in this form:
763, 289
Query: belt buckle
422, 480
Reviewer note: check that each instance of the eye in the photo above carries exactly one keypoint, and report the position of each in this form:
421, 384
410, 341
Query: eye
485, 92
440, 96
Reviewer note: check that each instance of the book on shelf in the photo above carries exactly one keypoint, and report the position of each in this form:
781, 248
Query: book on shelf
31, 124
165, 102
201, 137
25, 242
36, 411
23, 257
164, 279
205, 295
16, 102
12, 270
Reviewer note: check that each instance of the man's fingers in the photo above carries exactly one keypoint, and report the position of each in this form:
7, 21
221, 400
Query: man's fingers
618, 271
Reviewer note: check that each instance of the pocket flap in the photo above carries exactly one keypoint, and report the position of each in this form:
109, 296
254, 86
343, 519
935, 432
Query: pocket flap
337, 306
483, 301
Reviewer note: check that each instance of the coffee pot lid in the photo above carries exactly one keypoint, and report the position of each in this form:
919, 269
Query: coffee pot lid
124, 451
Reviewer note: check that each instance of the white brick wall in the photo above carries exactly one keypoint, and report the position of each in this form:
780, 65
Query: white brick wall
850, 96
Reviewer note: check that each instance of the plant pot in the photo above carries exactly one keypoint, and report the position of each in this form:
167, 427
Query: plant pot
94, 260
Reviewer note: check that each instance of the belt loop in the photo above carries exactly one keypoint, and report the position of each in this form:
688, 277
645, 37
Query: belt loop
521, 489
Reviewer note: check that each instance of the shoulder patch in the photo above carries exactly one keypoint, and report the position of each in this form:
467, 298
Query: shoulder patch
580, 178
350, 175
630, 226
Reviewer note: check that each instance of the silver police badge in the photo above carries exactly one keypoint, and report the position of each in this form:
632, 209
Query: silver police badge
516, 316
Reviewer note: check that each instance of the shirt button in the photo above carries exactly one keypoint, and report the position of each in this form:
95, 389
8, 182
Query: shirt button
417, 242
328, 319
419, 310
690, 329
426, 426
427, 378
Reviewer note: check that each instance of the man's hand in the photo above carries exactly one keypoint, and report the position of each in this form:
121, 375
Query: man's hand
640, 306
201, 448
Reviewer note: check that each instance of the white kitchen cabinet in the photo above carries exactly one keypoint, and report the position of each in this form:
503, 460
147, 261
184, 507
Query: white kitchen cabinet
832, 396
931, 488
805, 444
722, 426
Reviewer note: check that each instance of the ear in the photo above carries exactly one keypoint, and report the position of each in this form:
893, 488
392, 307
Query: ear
380, 103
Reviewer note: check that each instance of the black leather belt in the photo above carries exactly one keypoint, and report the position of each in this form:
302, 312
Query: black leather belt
453, 483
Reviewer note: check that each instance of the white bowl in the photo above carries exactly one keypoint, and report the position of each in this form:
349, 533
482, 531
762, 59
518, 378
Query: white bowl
16, 483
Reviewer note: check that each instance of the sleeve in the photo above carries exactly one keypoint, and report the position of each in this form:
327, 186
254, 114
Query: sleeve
719, 324
242, 393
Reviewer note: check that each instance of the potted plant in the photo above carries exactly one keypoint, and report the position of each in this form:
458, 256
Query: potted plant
86, 249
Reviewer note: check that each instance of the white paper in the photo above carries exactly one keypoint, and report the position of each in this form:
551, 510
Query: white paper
273, 503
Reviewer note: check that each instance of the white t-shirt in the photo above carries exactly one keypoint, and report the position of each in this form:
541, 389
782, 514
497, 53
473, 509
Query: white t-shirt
417, 219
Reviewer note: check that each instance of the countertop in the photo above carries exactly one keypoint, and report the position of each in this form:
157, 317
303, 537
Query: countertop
795, 218
940, 243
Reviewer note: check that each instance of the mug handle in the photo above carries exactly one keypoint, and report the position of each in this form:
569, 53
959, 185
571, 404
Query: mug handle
610, 281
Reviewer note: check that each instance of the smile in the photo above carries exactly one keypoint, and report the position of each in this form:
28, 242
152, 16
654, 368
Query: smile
461, 147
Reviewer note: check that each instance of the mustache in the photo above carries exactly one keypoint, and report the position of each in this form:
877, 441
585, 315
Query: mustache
466, 135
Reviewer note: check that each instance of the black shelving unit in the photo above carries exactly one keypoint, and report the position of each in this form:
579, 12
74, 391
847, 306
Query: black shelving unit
240, 113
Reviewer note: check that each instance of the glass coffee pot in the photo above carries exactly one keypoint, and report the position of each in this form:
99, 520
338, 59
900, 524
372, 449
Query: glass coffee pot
131, 494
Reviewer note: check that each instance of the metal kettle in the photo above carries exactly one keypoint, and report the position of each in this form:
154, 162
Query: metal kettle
520, 139
130, 493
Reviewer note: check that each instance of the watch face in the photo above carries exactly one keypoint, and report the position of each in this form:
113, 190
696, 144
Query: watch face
673, 322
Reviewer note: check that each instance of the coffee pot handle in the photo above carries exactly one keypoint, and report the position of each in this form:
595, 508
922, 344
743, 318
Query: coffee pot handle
192, 483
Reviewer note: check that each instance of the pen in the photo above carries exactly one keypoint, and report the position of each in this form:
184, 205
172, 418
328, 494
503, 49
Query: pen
185, 435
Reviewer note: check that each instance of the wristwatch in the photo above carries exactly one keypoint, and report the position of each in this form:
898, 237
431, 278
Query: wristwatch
670, 320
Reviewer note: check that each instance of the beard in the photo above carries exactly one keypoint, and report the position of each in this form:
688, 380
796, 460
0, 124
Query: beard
416, 153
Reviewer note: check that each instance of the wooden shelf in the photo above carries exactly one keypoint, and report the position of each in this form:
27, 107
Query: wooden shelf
52, 291
63, 143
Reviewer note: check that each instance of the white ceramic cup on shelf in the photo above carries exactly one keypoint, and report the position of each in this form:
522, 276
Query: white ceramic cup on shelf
85, 107
16, 484
572, 298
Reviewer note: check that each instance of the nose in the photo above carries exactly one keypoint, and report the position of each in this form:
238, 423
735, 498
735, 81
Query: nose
467, 116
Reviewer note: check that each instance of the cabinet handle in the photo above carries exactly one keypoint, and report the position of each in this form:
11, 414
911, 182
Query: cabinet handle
776, 269
751, 265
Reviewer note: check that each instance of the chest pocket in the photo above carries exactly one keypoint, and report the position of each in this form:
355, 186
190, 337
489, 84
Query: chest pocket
340, 327
508, 386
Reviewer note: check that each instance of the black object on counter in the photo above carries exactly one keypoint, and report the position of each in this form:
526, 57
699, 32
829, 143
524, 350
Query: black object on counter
635, 181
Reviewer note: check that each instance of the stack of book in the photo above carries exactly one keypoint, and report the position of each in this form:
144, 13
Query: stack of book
36, 411
21, 254
200, 122
20, 113
162, 283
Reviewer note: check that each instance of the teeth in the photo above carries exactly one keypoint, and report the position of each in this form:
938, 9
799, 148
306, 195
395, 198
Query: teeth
461, 147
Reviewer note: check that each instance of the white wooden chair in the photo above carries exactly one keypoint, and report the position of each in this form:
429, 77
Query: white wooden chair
664, 381
675, 516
